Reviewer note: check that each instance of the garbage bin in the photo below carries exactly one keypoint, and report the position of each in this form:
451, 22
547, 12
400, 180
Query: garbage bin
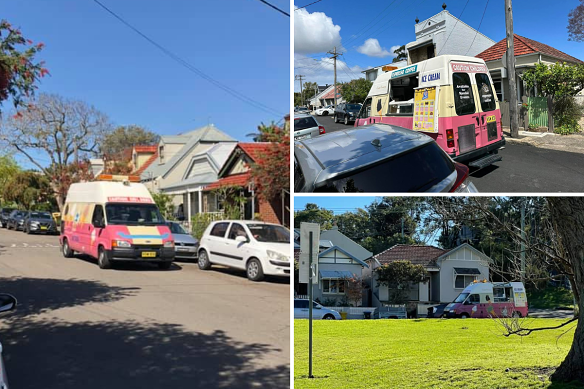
343, 315
366, 315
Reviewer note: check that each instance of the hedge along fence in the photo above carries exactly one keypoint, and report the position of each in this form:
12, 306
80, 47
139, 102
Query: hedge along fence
201, 221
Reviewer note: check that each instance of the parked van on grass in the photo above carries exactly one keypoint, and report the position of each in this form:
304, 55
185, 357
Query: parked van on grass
115, 219
450, 98
486, 299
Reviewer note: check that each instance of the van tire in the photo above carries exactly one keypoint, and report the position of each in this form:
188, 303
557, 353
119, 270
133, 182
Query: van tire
464, 315
102, 261
254, 270
67, 252
203, 261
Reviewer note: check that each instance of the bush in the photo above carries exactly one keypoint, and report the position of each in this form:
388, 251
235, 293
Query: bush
329, 302
567, 113
199, 223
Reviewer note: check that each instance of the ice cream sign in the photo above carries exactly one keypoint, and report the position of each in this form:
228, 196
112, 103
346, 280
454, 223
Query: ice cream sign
458, 67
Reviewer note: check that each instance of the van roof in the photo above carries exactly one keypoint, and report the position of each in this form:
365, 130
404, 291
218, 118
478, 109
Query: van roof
101, 192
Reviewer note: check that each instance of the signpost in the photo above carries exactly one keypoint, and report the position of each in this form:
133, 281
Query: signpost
309, 238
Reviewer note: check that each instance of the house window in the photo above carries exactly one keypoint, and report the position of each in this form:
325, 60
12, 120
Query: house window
498, 89
161, 153
462, 281
333, 286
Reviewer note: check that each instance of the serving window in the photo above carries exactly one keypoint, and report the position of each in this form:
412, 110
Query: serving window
402, 93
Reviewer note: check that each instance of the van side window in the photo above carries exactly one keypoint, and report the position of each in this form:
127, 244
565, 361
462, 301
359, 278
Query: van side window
474, 299
486, 95
219, 229
401, 102
463, 97
98, 218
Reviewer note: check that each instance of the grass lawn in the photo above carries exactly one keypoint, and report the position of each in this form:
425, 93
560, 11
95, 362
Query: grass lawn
550, 298
426, 353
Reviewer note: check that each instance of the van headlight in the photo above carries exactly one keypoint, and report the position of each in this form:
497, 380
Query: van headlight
277, 256
170, 243
121, 243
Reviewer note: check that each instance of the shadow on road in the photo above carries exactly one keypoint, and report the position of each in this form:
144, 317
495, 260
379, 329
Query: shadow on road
38, 295
242, 274
132, 355
484, 171
133, 266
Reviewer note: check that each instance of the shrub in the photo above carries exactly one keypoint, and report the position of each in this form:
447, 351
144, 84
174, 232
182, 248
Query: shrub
567, 113
199, 223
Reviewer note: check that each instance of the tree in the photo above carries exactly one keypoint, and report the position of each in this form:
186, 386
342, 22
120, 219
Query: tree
122, 139
354, 290
19, 72
164, 203
398, 276
557, 82
27, 189
271, 171
312, 213
8, 168
400, 53
355, 91
576, 23
62, 132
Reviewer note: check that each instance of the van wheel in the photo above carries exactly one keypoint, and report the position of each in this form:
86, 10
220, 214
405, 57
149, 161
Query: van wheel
164, 265
464, 315
346, 120
67, 252
516, 315
203, 261
102, 260
336, 119
254, 270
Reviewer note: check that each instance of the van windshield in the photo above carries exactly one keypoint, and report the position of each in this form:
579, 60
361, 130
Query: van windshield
461, 297
133, 214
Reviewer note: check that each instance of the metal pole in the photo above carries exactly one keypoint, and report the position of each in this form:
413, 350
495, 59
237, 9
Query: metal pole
511, 71
310, 306
523, 240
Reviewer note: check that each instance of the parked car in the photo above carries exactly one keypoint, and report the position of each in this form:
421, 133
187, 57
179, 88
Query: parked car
16, 220
318, 311
7, 303
41, 222
306, 126
437, 311
185, 245
298, 110
346, 113
377, 158
259, 248
324, 111
4, 213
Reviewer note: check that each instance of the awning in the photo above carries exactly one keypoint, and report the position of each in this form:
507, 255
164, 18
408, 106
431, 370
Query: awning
467, 271
335, 274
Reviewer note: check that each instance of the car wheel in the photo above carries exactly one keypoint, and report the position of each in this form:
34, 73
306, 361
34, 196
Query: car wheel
325, 113
336, 119
328, 317
164, 265
464, 316
516, 315
67, 252
203, 261
346, 120
254, 270
102, 260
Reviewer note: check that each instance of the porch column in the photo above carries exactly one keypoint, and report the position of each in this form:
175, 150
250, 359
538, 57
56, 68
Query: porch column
200, 201
189, 206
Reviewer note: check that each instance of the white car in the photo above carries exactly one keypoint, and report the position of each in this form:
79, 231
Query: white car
7, 303
324, 111
259, 248
318, 311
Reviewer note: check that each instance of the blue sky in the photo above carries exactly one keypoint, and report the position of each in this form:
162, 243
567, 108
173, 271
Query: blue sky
339, 204
539, 20
93, 57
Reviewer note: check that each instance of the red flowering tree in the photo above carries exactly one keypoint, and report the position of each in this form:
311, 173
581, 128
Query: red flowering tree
19, 73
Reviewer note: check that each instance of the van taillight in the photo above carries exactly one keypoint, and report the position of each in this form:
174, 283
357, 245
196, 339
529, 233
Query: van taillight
450, 138
321, 130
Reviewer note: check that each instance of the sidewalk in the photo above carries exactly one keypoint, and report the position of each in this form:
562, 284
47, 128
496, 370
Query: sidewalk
571, 143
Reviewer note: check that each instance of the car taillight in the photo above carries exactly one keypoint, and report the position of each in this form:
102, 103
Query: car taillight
461, 175
450, 138
321, 130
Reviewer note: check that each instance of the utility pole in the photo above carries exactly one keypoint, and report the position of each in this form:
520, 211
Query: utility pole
523, 240
511, 71
299, 77
334, 57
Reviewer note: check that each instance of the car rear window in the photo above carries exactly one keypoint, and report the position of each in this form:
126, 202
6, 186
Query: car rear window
415, 171
304, 123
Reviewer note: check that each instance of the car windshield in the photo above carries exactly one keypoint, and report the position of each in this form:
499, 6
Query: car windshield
39, 215
269, 233
6, 211
461, 297
353, 107
176, 228
20, 214
133, 214
304, 123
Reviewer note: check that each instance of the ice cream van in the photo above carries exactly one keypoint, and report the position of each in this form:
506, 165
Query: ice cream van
486, 299
115, 219
450, 98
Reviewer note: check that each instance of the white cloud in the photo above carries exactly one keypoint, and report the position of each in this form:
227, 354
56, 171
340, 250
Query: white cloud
321, 70
372, 48
315, 32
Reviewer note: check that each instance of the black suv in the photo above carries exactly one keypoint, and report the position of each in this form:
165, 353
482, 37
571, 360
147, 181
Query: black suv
346, 112
4, 213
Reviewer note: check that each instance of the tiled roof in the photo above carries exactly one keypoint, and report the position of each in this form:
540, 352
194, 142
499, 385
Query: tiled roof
152, 158
146, 149
254, 149
241, 179
331, 94
418, 255
523, 46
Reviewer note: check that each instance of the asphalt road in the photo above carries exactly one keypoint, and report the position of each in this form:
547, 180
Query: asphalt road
78, 326
524, 168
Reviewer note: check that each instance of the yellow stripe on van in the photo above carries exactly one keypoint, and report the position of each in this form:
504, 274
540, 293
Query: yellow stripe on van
145, 230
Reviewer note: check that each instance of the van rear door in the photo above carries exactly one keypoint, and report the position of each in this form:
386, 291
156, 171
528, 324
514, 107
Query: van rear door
488, 113
466, 123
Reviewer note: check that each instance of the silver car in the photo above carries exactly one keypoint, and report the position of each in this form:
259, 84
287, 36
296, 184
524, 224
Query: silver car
185, 245
318, 311
7, 303
306, 127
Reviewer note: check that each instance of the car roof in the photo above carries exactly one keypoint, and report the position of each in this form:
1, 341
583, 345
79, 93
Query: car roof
302, 115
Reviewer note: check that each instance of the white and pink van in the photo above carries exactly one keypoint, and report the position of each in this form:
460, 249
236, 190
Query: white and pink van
451, 98
487, 299
115, 219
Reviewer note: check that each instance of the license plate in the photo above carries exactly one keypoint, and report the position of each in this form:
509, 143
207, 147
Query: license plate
43, 228
182, 249
491, 119
148, 254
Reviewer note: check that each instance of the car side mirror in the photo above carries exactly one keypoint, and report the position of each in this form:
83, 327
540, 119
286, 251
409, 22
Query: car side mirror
241, 239
7, 302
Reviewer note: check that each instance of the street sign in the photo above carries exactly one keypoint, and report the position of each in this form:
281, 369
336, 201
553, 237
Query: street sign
304, 272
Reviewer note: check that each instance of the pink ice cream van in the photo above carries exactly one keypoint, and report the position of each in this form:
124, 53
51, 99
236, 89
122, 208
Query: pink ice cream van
486, 299
115, 219
451, 98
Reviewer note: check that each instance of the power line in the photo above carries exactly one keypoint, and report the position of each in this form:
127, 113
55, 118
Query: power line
475, 37
192, 68
314, 2
274, 7
446, 41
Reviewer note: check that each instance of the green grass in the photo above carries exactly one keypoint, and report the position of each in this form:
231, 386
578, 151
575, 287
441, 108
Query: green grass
426, 353
550, 298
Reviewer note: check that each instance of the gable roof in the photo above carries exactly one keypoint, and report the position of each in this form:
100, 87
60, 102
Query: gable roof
252, 150
416, 254
522, 46
468, 246
147, 163
362, 263
146, 149
347, 244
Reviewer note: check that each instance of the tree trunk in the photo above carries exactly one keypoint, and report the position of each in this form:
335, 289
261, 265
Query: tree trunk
568, 219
